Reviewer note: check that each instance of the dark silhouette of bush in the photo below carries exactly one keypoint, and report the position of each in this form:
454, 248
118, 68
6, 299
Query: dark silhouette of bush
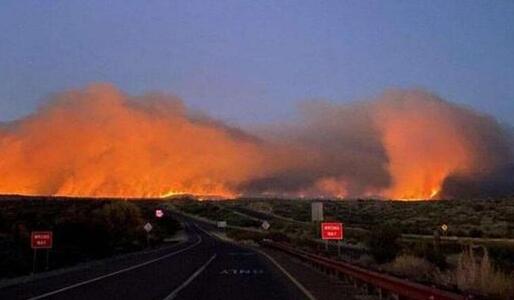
83, 230
474, 232
383, 243
431, 254
121, 221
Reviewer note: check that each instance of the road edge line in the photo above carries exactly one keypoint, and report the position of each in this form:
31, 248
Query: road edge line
115, 272
300, 286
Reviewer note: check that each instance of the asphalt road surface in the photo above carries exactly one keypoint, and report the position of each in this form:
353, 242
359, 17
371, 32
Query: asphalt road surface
204, 267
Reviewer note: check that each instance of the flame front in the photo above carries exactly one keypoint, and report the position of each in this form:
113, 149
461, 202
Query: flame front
98, 142
424, 147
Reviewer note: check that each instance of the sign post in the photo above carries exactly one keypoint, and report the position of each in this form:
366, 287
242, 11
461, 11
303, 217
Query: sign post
40, 240
317, 216
317, 211
265, 225
444, 227
148, 227
332, 231
221, 224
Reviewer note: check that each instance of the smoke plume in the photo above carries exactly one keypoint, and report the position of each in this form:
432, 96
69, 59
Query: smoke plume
404, 145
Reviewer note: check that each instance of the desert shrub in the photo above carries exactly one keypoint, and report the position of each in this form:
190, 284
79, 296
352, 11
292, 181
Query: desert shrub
121, 221
410, 266
475, 232
478, 274
430, 253
365, 260
80, 237
167, 225
14, 262
383, 243
278, 236
503, 256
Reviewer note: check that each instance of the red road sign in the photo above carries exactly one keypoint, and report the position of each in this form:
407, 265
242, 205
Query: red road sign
332, 231
159, 213
41, 239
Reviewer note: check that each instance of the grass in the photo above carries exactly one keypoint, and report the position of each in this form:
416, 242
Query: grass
478, 274
493, 218
413, 267
418, 259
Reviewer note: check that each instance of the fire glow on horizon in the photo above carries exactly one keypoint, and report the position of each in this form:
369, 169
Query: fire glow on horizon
99, 142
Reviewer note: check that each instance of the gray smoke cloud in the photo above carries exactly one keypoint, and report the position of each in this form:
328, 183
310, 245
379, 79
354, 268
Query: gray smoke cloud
403, 144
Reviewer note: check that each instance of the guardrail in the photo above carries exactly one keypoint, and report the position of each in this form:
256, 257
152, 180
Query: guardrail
383, 285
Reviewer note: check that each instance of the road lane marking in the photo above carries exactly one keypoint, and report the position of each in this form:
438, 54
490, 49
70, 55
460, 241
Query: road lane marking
296, 282
175, 292
241, 254
117, 272
205, 231
242, 272
288, 275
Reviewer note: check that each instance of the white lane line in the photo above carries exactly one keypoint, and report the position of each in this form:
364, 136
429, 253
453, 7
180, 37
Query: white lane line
206, 232
296, 282
300, 286
175, 292
117, 272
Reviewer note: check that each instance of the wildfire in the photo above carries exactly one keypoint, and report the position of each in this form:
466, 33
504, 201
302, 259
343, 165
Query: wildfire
98, 142
172, 194
434, 193
423, 151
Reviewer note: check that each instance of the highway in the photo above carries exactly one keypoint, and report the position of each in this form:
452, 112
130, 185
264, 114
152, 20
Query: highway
203, 267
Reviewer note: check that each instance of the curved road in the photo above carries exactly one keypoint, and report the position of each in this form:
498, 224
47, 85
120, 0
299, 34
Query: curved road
204, 267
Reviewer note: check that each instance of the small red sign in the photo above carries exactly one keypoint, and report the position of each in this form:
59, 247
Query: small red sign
159, 213
332, 231
41, 239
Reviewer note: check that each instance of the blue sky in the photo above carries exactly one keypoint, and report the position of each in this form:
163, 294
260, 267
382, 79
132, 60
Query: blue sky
253, 61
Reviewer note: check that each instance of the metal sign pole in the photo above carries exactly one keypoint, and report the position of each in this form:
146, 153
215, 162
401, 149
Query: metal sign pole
34, 262
47, 258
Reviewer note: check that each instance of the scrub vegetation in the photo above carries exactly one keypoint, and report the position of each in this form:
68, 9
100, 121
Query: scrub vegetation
83, 230
405, 239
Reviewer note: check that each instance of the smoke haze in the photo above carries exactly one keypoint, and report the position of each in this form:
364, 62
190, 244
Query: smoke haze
405, 144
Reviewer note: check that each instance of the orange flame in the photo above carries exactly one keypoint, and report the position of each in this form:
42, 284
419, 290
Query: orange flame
424, 146
98, 142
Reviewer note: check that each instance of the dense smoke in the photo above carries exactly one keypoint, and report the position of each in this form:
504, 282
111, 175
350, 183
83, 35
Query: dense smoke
404, 144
